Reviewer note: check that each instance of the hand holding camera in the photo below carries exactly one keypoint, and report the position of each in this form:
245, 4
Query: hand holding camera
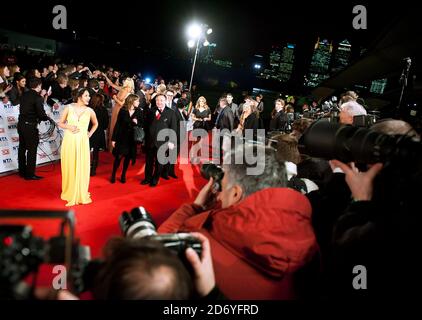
206, 196
203, 277
360, 183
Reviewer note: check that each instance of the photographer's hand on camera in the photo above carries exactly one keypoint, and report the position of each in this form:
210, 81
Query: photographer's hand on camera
360, 183
203, 277
206, 197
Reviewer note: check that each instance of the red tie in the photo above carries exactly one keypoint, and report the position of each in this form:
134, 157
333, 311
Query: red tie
158, 115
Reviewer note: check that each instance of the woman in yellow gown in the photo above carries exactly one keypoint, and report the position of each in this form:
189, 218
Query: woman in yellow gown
75, 153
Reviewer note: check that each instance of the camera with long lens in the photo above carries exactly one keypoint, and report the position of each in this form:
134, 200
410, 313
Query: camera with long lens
138, 224
22, 254
366, 120
347, 143
211, 170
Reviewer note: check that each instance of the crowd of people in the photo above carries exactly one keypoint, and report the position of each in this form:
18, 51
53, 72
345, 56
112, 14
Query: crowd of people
295, 230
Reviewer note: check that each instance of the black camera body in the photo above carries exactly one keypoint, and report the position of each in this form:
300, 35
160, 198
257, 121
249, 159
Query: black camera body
138, 224
211, 170
21, 253
364, 121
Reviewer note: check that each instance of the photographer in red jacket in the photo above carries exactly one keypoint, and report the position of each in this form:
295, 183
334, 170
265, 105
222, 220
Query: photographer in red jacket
260, 231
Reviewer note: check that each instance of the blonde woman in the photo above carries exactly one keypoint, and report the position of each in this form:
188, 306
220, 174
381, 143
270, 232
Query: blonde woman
250, 119
119, 100
5, 86
201, 117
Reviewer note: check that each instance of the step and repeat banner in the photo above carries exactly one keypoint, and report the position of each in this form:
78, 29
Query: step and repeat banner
48, 148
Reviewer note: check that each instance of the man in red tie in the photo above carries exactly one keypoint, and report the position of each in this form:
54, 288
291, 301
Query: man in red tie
164, 121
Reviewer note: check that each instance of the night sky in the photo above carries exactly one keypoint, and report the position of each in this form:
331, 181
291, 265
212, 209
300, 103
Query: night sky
241, 29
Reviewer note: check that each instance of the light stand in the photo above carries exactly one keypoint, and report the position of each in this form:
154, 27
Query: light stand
403, 80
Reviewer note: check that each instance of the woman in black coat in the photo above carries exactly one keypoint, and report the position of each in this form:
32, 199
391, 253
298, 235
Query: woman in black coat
250, 120
19, 83
123, 142
97, 141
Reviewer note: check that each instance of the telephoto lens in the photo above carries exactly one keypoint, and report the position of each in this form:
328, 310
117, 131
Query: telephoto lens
137, 224
210, 170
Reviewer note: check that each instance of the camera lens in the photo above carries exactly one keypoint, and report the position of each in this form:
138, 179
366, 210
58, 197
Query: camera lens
209, 170
137, 224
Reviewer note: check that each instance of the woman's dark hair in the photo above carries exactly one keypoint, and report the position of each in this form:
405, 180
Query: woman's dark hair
181, 103
18, 77
31, 73
78, 93
97, 101
82, 82
130, 268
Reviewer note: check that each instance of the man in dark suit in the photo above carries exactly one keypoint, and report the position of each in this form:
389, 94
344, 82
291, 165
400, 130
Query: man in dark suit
225, 118
160, 118
31, 113
170, 100
182, 117
142, 96
279, 120
235, 109
224, 122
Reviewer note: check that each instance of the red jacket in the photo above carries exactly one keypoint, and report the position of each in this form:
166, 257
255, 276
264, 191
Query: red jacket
256, 245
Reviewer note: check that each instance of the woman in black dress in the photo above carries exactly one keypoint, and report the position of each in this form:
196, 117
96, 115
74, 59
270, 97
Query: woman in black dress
97, 141
123, 142
201, 117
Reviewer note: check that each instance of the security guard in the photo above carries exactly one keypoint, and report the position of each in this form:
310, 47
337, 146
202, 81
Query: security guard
31, 113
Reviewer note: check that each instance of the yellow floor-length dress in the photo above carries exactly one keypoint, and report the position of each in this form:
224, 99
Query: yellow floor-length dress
75, 159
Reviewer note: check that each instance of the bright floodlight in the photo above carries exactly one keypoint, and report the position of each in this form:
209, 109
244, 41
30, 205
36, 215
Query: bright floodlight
191, 43
147, 80
209, 31
257, 66
194, 31
206, 43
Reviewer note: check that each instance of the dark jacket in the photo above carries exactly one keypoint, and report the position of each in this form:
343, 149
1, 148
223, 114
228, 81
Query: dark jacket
168, 120
253, 122
15, 95
32, 108
225, 119
142, 99
123, 133
235, 109
181, 125
278, 123
62, 95
97, 139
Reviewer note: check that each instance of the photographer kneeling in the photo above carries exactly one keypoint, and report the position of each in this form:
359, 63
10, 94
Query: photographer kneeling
259, 230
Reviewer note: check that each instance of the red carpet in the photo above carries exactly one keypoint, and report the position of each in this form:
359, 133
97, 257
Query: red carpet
98, 221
